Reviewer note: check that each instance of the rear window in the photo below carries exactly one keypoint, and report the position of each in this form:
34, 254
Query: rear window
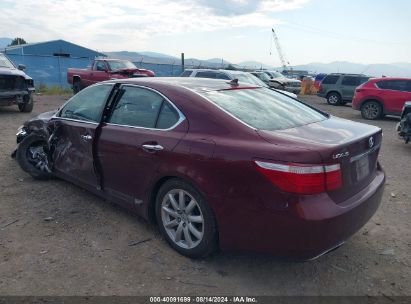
265, 109
205, 74
330, 79
186, 74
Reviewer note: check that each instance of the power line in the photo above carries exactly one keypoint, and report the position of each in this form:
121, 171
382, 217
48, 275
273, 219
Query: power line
296, 26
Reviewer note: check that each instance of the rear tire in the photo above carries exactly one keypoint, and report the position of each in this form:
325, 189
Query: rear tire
185, 219
32, 157
27, 107
76, 87
334, 99
371, 110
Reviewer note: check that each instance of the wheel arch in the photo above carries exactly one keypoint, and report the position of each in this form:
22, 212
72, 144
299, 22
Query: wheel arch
76, 78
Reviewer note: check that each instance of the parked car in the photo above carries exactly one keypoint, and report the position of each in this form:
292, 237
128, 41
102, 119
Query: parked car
279, 81
104, 69
339, 89
230, 75
214, 163
404, 126
382, 96
318, 79
16, 87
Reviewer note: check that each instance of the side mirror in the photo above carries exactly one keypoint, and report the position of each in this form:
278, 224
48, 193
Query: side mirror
21, 67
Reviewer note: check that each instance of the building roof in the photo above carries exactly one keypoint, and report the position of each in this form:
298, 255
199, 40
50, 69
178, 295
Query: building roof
53, 47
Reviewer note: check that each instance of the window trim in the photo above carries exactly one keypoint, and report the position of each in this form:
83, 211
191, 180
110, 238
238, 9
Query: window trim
56, 115
180, 114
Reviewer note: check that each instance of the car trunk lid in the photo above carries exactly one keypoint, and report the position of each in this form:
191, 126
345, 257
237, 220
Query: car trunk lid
353, 145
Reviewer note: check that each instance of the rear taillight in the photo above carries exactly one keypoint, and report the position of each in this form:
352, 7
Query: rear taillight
302, 179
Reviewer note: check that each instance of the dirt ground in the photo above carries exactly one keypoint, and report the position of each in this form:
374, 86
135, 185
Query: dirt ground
57, 239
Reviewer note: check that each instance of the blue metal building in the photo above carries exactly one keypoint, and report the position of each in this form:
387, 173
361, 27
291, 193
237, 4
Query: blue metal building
47, 62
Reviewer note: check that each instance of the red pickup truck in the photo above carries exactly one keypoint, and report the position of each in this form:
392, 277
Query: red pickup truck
104, 69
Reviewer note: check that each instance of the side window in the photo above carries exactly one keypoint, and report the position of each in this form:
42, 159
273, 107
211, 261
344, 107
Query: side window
137, 107
222, 76
364, 80
88, 104
330, 79
186, 74
205, 74
100, 66
351, 81
408, 86
394, 85
168, 116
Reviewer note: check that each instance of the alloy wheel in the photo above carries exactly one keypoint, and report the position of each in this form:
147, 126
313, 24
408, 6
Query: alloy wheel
37, 156
182, 218
371, 110
333, 99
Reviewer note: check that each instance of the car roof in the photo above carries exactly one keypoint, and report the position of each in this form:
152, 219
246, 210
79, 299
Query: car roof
347, 74
191, 83
390, 78
111, 59
219, 70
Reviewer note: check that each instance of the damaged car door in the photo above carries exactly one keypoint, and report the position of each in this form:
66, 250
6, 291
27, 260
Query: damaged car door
138, 137
73, 140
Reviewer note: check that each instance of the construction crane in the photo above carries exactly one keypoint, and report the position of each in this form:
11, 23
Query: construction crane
284, 63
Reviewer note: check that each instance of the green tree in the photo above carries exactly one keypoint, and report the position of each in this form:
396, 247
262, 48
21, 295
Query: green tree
17, 41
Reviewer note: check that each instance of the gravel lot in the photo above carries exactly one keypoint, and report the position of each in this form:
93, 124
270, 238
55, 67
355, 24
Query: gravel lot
56, 239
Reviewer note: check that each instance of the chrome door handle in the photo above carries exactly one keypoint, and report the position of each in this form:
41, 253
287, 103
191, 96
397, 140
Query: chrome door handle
153, 147
86, 137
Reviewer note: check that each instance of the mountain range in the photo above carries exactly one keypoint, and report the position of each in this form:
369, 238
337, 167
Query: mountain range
399, 69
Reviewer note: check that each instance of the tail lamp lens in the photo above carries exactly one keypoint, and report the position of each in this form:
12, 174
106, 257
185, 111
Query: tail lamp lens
302, 179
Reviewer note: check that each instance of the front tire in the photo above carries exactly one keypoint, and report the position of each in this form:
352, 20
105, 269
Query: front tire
334, 99
185, 219
371, 110
32, 157
27, 107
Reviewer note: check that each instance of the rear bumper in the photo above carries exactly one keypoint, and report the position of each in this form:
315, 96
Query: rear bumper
356, 104
309, 227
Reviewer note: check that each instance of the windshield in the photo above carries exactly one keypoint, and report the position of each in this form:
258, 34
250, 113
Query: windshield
250, 78
265, 109
263, 76
276, 74
5, 62
121, 64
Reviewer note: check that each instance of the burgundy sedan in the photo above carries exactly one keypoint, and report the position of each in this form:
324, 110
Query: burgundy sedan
216, 164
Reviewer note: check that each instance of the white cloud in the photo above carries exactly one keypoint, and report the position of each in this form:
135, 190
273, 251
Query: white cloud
129, 25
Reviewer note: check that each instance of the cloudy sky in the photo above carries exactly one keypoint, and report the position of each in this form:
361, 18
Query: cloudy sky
363, 31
